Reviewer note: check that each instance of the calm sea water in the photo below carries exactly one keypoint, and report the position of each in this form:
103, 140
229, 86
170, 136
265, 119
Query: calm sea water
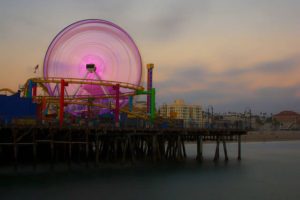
267, 171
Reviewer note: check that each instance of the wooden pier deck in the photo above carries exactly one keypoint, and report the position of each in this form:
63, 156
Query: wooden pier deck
34, 145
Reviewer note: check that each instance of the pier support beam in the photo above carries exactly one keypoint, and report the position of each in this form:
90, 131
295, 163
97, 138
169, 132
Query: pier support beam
131, 148
199, 148
239, 147
154, 148
183, 148
225, 149
179, 149
97, 149
51, 149
15, 149
87, 148
70, 148
34, 150
217, 153
124, 147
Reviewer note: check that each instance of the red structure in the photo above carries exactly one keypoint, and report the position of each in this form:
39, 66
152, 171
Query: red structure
62, 101
117, 106
34, 90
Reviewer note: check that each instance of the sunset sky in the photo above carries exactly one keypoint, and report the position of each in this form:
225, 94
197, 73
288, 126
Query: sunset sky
232, 54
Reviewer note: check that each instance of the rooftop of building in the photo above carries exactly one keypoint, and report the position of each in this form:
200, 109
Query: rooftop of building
180, 103
287, 113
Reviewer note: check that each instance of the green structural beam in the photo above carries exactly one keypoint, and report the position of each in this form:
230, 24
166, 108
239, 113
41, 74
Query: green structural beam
139, 92
29, 89
152, 108
152, 103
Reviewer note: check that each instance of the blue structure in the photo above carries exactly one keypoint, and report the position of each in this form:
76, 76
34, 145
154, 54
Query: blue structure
15, 107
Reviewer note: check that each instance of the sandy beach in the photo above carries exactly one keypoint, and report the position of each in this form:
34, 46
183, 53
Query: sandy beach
265, 136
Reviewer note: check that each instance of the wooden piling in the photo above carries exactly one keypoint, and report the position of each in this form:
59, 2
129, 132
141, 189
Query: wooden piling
179, 149
87, 148
15, 146
225, 149
97, 149
34, 149
154, 148
199, 148
70, 148
51, 149
115, 142
125, 147
217, 153
239, 147
183, 148
131, 149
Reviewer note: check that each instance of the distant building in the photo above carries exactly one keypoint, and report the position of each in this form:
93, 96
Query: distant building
288, 120
190, 114
234, 117
231, 120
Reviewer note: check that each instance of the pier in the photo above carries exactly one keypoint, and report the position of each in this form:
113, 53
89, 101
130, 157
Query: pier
50, 145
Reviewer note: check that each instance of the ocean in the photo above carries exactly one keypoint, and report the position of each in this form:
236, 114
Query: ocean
268, 170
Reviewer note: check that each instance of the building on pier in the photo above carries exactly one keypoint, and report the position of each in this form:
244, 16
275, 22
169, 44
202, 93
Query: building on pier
14, 108
191, 115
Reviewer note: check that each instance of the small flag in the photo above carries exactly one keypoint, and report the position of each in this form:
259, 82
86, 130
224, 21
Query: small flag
36, 68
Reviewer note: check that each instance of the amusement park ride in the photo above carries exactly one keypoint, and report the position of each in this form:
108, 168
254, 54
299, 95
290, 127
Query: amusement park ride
91, 67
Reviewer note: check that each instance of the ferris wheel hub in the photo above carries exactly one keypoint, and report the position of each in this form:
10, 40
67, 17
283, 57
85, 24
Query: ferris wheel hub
91, 68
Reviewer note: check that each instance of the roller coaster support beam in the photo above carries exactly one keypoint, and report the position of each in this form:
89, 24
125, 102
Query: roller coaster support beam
130, 103
152, 111
43, 108
149, 85
34, 90
29, 89
62, 101
152, 105
117, 107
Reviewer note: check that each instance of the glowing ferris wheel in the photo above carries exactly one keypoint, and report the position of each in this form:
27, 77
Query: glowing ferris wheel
93, 49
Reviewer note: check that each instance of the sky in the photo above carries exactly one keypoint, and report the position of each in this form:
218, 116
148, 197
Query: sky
231, 54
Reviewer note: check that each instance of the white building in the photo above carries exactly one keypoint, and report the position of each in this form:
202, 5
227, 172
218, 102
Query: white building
190, 114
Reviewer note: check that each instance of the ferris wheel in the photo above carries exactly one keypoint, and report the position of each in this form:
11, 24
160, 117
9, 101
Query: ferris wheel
92, 50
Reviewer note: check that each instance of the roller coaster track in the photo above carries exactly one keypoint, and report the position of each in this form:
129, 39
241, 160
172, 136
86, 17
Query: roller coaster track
79, 100
7, 90
88, 82
124, 110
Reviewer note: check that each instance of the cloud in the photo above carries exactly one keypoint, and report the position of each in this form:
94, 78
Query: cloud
271, 100
267, 68
233, 89
161, 21
181, 80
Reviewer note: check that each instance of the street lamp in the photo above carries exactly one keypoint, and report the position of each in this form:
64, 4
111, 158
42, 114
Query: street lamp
202, 120
248, 111
212, 114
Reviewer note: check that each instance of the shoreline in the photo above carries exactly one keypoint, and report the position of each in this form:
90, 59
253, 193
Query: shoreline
271, 136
